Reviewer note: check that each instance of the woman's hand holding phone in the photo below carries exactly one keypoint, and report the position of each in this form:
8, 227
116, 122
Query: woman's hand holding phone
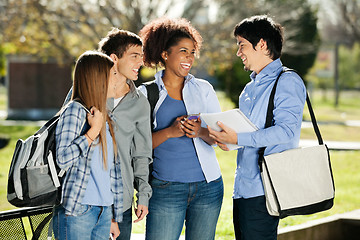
191, 125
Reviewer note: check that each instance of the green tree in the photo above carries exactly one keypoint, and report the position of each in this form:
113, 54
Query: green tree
302, 44
232, 80
64, 29
349, 67
2, 62
340, 25
321, 74
339, 21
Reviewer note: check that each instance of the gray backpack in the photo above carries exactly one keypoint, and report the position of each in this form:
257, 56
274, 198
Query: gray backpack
34, 177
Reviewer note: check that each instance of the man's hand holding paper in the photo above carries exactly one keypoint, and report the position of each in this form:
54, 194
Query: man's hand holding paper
223, 127
226, 136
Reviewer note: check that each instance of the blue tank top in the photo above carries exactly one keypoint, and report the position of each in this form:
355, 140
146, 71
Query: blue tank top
175, 159
98, 190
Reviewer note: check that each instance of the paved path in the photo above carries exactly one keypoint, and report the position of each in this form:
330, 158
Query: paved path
350, 123
353, 216
332, 145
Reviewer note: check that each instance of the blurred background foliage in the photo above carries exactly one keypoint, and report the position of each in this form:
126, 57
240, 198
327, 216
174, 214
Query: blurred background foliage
64, 29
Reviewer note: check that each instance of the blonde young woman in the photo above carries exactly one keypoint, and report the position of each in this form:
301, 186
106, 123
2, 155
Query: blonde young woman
91, 203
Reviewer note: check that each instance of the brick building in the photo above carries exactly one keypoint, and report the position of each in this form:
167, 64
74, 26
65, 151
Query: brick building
36, 90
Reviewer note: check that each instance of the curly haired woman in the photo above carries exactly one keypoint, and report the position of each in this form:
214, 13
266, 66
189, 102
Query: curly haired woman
187, 183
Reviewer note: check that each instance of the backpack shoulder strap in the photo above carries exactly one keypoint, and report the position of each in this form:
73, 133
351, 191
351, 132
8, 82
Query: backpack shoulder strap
152, 93
152, 96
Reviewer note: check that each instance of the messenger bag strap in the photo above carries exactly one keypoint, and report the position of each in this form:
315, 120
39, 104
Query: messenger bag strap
270, 116
313, 120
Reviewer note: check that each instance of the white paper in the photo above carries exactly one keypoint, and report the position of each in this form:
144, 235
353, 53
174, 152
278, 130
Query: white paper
234, 119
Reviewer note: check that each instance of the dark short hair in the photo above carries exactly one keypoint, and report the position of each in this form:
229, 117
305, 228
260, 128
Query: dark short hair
118, 41
162, 34
262, 27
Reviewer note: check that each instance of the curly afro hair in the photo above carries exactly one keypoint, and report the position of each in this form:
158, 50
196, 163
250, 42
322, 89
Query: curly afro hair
162, 34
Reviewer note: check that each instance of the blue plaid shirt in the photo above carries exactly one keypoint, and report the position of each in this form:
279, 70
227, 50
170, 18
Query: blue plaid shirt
73, 154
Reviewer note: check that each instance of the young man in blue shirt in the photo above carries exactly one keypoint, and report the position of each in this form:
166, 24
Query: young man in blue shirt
260, 42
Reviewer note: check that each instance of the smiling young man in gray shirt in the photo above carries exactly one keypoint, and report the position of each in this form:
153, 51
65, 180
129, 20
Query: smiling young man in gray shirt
130, 111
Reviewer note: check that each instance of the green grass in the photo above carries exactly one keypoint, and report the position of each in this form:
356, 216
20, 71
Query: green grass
333, 132
345, 164
3, 98
323, 105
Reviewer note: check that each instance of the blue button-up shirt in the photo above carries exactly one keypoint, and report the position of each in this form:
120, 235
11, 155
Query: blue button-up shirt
289, 103
73, 154
199, 97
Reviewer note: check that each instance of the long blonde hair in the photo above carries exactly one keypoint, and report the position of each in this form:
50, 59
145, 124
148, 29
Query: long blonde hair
90, 86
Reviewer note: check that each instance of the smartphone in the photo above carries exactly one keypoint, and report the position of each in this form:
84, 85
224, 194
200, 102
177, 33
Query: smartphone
193, 116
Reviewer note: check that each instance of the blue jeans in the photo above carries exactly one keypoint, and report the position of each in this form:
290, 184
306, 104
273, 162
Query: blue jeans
93, 223
252, 220
125, 225
172, 203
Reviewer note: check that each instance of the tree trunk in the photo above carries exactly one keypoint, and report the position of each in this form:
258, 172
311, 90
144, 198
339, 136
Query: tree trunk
336, 74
